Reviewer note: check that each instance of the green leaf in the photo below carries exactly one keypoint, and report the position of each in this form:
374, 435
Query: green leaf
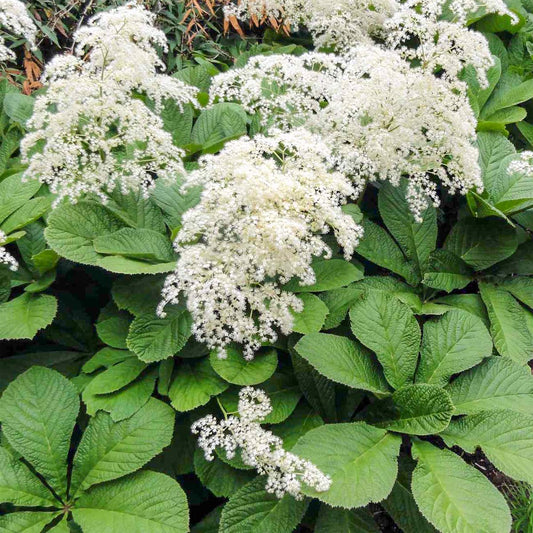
415, 409
178, 121
312, 317
338, 302
24, 316
124, 506
467, 501
447, 272
509, 96
173, 201
18, 107
253, 510
451, 344
360, 459
343, 360
508, 327
194, 384
154, 339
136, 243
73, 228
218, 123
330, 274
493, 148
389, 328
417, 240
111, 450
113, 326
210, 523
105, 358
506, 438
497, 383
332, 520
521, 288
380, 248
220, 478
25, 522
19, 486
125, 265
302, 420
116, 377
28, 213
14, 194
38, 412
482, 243
139, 295
521, 262
240, 371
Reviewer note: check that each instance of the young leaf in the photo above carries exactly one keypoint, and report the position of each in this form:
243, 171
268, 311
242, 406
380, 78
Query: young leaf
342, 360
451, 344
24, 316
506, 438
237, 370
497, 383
360, 459
312, 317
415, 409
145, 501
38, 412
467, 500
253, 510
154, 339
389, 328
111, 450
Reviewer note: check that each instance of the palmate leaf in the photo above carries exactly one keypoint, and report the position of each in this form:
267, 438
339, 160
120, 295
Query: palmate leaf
497, 383
415, 409
111, 450
342, 360
253, 510
360, 459
454, 496
142, 502
506, 438
19, 486
38, 412
389, 328
451, 344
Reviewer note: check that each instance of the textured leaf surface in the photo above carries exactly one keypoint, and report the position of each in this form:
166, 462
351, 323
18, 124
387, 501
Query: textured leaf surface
447, 272
153, 338
25, 522
389, 328
497, 383
506, 438
116, 377
140, 503
451, 344
455, 497
38, 412
108, 451
415, 409
360, 459
253, 510
342, 360
24, 316
344, 520
239, 371
312, 317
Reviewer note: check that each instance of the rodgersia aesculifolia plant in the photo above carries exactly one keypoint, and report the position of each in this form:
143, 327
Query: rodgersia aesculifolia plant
316, 255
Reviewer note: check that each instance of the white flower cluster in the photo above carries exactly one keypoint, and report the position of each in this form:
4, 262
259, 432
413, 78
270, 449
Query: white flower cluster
91, 132
5, 257
264, 204
15, 18
523, 164
259, 448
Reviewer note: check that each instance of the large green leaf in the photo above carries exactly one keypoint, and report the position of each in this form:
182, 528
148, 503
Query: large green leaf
389, 328
454, 342
219, 123
72, 229
253, 510
234, 368
415, 409
140, 503
454, 496
153, 338
417, 240
24, 316
332, 520
482, 243
19, 486
14, 194
497, 383
360, 459
194, 384
111, 450
116, 377
25, 522
38, 412
508, 327
342, 360
506, 438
